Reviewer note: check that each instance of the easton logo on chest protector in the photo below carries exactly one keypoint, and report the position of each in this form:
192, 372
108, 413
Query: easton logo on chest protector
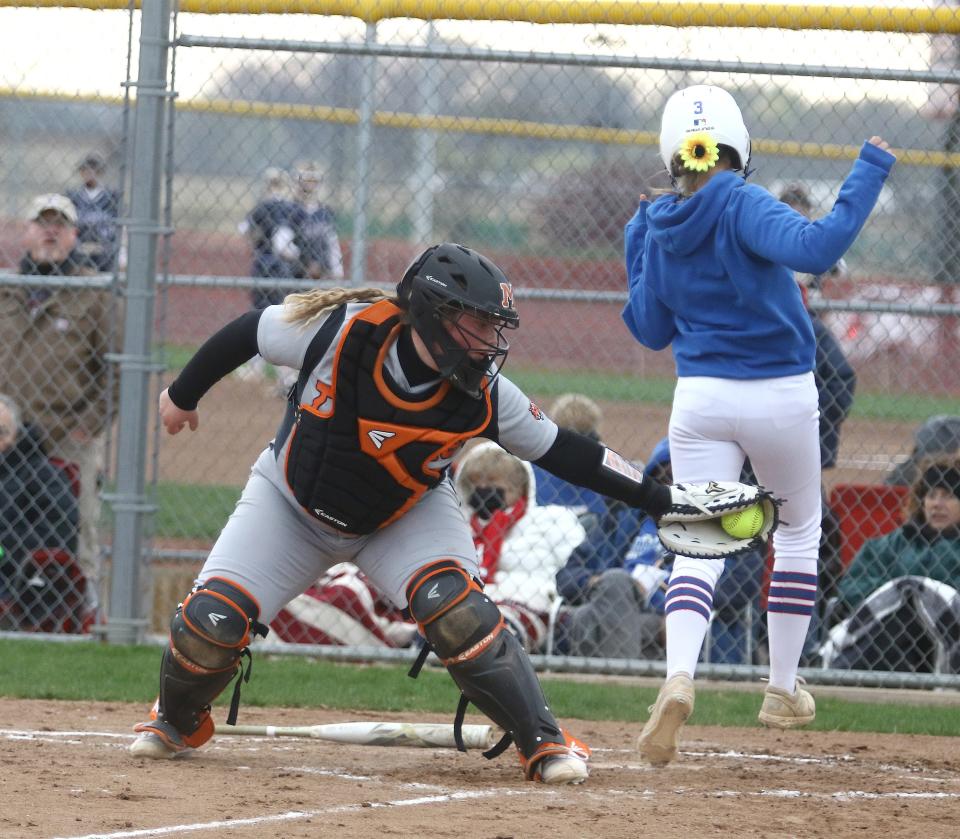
374, 450
377, 436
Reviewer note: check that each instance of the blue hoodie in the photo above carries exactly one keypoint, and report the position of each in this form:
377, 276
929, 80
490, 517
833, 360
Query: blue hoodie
712, 274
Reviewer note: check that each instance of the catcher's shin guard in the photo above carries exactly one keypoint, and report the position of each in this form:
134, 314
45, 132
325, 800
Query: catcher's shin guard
466, 630
209, 634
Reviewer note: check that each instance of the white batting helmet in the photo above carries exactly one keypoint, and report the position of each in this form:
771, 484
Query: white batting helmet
704, 108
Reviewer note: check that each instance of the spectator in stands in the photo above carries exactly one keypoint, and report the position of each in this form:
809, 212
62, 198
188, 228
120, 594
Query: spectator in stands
54, 339
927, 544
320, 257
520, 544
98, 208
835, 377
271, 228
836, 383
343, 607
37, 505
925, 548
936, 438
624, 545
581, 414
612, 584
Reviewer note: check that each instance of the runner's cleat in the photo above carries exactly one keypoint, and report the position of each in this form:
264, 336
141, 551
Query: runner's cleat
660, 739
785, 710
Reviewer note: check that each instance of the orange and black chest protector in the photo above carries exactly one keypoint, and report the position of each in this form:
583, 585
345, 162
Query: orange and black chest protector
363, 452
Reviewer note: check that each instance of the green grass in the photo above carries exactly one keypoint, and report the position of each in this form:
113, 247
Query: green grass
900, 407
189, 511
98, 672
613, 387
617, 387
193, 511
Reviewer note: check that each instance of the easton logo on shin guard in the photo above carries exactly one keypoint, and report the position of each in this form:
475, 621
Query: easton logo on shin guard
475, 649
448, 585
458, 620
215, 623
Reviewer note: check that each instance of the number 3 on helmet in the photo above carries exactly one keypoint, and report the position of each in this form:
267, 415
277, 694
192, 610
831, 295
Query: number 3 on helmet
708, 109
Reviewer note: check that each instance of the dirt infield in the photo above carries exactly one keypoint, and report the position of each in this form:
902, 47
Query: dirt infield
67, 774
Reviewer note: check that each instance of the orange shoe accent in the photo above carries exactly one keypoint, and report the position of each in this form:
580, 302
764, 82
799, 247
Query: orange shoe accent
531, 765
202, 734
193, 741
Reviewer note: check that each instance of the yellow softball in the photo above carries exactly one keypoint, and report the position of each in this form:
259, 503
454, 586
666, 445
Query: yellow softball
745, 524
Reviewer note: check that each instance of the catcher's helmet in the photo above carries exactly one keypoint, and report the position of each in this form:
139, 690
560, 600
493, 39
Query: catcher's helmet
708, 109
442, 290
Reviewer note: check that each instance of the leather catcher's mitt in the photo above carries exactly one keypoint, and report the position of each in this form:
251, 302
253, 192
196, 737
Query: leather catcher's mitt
691, 527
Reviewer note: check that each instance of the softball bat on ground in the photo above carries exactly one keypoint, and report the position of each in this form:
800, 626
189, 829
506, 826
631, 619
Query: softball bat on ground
425, 735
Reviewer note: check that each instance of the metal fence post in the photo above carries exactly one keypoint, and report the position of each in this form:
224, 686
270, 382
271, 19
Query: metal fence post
125, 623
358, 259
424, 181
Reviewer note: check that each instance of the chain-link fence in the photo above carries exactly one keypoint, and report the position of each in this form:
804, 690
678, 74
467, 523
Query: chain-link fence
303, 149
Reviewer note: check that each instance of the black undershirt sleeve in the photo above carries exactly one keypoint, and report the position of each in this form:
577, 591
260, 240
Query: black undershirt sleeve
587, 463
220, 354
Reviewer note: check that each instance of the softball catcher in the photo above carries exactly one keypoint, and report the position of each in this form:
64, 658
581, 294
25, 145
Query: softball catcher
390, 389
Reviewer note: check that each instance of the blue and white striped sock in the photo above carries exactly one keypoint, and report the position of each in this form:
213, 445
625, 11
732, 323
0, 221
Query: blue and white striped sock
792, 598
689, 604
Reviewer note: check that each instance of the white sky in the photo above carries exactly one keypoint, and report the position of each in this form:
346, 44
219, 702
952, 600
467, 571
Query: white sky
88, 53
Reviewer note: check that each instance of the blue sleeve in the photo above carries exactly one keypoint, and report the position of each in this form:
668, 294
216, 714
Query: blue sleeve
645, 315
772, 230
259, 220
634, 238
52, 509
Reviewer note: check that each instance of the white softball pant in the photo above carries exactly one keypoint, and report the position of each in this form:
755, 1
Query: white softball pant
276, 551
717, 423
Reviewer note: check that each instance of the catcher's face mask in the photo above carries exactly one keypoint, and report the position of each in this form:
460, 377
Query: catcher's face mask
460, 304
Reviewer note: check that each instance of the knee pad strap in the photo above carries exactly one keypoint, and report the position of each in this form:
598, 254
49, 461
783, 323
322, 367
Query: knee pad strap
501, 682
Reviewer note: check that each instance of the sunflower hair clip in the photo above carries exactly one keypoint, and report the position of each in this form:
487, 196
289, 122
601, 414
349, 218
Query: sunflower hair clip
699, 152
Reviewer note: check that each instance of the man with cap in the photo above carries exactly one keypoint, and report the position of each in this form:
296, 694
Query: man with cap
54, 338
97, 211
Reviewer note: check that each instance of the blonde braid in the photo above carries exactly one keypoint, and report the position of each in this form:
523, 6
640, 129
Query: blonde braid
307, 306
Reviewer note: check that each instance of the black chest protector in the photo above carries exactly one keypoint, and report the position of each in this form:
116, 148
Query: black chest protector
361, 454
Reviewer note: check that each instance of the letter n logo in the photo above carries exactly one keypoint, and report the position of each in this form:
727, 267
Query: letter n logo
507, 300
